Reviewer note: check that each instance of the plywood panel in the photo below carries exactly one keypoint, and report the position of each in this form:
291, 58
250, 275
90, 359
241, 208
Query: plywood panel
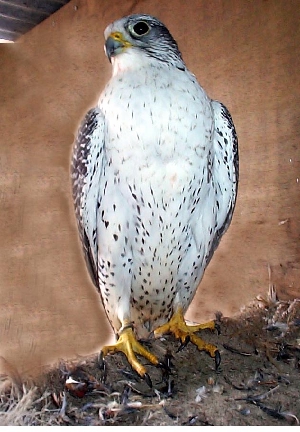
245, 54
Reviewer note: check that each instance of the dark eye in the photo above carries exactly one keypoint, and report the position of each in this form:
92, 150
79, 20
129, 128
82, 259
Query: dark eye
141, 28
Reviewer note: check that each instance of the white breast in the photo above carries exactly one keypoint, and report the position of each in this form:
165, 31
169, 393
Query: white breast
155, 115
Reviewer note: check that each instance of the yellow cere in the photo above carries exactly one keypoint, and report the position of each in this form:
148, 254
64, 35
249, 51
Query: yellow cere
118, 36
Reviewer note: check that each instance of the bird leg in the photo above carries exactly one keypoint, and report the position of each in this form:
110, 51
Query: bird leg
128, 345
185, 333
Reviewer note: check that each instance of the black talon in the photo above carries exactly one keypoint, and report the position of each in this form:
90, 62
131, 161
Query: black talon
148, 380
217, 359
184, 343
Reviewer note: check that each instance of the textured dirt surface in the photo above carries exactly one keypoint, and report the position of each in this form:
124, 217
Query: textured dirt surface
257, 382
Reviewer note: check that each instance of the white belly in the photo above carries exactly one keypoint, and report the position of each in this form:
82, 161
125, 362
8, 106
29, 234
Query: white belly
155, 191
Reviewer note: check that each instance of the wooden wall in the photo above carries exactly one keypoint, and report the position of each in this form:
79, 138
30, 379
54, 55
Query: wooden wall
245, 54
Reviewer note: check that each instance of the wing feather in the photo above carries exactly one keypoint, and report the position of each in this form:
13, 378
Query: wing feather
86, 169
225, 169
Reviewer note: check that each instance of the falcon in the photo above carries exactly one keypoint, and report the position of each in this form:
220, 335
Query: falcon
154, 177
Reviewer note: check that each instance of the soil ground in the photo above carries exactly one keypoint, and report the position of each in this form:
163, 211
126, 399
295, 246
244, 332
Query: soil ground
257, 382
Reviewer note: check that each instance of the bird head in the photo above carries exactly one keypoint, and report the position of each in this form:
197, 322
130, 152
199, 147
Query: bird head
144, 34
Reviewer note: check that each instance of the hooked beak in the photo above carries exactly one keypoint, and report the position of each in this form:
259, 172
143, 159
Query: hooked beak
115, 44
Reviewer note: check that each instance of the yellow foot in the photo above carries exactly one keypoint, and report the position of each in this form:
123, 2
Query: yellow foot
185, 333
128, 345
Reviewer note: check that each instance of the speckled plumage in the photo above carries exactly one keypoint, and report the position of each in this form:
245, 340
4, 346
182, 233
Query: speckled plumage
154, 173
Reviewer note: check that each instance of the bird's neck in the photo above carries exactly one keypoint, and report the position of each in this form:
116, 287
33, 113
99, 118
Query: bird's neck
132, 60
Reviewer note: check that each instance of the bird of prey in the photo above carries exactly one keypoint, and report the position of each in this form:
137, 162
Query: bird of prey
154, 175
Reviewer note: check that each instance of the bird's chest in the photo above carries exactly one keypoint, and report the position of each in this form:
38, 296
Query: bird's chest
157, 140
155, 116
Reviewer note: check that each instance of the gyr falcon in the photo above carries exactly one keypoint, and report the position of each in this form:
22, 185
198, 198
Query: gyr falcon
154, 176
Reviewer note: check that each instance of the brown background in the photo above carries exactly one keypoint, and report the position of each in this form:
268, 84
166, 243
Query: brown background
245, 54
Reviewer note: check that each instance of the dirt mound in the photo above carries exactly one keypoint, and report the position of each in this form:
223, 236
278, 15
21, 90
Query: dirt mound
256, 384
